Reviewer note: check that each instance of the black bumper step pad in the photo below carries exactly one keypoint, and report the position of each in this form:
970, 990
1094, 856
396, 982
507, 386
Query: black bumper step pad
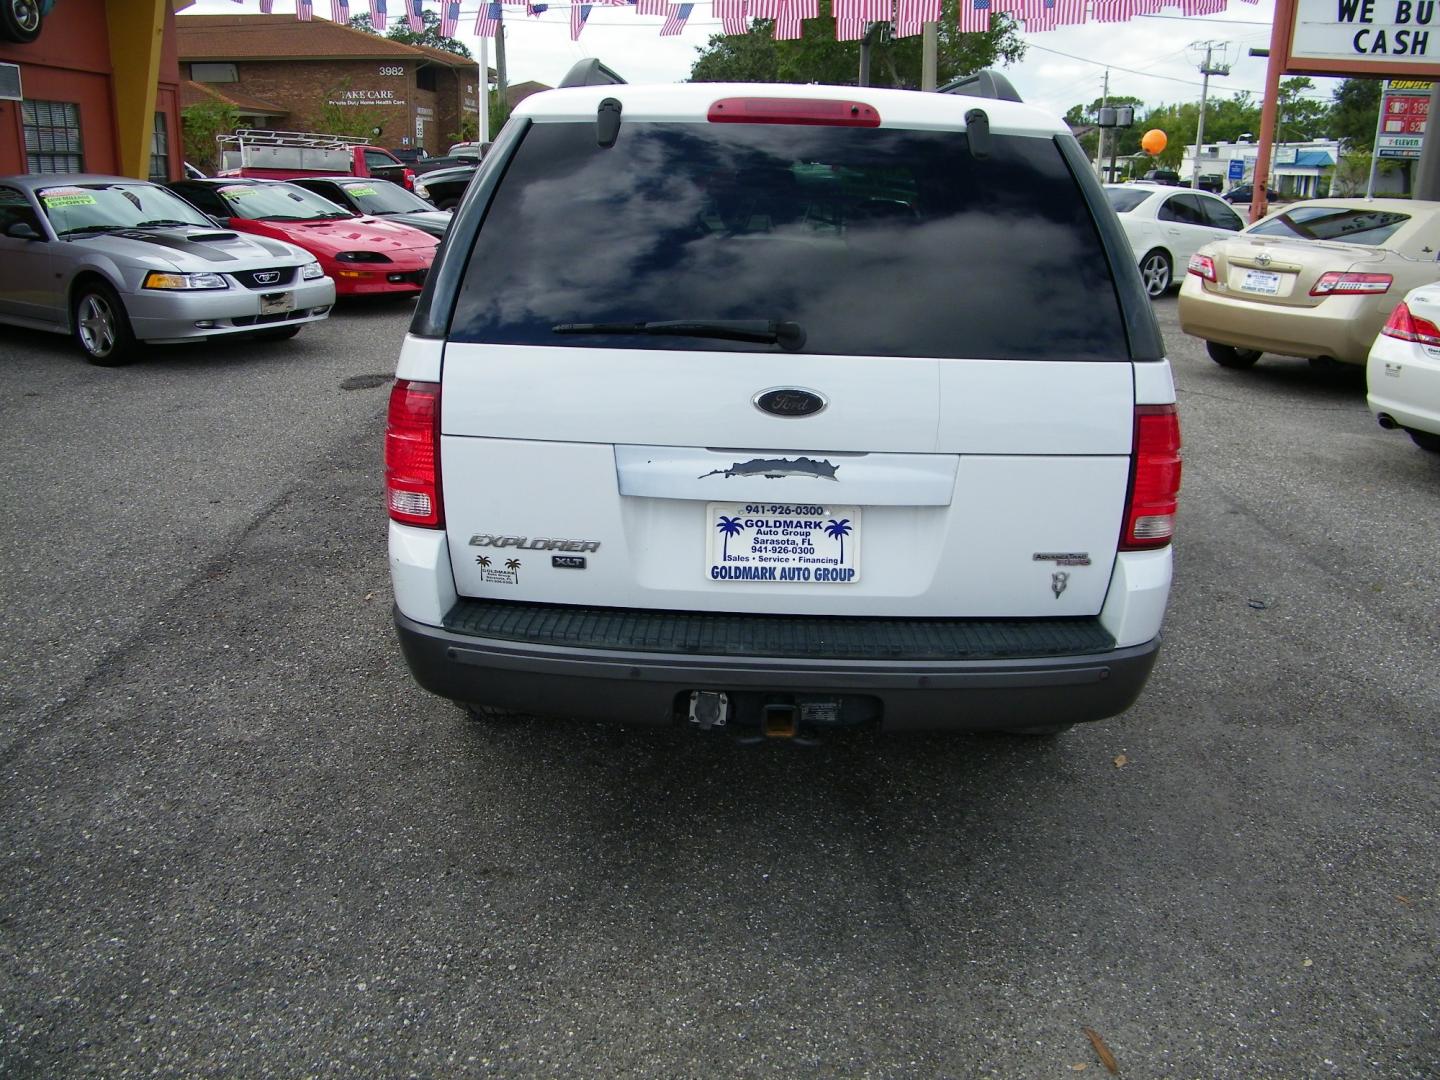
809, 637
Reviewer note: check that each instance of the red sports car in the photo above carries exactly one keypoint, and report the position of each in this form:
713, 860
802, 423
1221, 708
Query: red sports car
363, 255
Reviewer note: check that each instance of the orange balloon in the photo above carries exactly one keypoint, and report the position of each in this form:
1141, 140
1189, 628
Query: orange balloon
1153, 141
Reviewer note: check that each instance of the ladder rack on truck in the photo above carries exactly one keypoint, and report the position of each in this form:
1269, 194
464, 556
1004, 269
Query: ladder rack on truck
297, 151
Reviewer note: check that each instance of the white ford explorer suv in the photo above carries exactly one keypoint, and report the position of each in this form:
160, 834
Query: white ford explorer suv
784, 408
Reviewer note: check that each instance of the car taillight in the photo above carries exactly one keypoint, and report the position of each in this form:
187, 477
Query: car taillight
766, 110
407, 178
412, 454
1336, 282
1154, 479
1407, 326
1202, 266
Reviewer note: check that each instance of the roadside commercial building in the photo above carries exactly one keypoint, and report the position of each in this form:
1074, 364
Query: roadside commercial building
303, 76
96, 91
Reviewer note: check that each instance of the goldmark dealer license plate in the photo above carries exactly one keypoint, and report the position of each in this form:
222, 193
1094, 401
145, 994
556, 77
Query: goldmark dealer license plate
1263, 282
798, 543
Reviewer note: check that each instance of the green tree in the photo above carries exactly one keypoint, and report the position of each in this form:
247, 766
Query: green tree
199, 124
402, 33
818, 57
1299, 117
1354, 112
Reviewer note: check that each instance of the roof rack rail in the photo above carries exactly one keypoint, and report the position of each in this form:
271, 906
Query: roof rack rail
986, 84
590, 72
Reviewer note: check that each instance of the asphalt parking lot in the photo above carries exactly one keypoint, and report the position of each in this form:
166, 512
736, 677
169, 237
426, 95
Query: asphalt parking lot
237, 841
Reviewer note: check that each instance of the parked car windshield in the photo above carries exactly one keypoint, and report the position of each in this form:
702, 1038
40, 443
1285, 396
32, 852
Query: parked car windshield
81, 208
1123, 200
383, 197
278, 202
877, 242
1344, 224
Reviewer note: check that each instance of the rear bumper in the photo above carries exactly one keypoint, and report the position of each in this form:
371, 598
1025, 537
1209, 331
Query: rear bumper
1404, 383
646, 687
1341, 327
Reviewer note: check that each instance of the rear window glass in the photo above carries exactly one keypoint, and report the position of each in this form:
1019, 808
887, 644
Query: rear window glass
875, 241
1123, 200
1348, 226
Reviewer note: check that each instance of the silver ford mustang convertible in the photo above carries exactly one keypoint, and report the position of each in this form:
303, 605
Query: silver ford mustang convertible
116, 262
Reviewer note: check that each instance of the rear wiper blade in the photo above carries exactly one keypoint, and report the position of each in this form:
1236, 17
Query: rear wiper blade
788, 335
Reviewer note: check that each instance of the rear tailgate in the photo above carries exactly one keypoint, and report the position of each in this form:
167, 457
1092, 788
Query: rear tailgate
1274, 272
967, 486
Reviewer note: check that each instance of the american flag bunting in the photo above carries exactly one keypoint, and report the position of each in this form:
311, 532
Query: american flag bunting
449, 17
267, 7
304, 10
789, 21
849, 28
578, 14
535, 9
377, 15
488, 19
340, 11
652, 7
912, 15
675, 19
413, 16
974, 16
733, 17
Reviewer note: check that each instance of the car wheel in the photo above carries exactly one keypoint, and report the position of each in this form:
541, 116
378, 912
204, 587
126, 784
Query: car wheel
1231, 357
102, 329
1156, 271
488, 714
1426, 440
20, 20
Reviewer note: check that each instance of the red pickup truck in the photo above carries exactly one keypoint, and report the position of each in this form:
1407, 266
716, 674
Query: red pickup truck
284, 155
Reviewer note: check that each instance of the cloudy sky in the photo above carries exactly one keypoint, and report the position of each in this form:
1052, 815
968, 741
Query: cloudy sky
1150, 57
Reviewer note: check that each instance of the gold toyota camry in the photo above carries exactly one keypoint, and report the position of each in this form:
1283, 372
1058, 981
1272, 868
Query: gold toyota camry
1316, 279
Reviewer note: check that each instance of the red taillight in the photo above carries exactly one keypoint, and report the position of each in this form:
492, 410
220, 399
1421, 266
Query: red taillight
763, 110
412, 454
407, 178
1202, 266
1407, 326
1336, 282
1154, 479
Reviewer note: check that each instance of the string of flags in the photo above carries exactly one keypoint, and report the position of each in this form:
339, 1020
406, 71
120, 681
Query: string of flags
852, 17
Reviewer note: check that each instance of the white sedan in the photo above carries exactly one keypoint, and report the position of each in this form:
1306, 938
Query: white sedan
1166, 225
1403, 373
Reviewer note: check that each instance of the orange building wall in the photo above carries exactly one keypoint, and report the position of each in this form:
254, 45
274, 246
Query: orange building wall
70, 61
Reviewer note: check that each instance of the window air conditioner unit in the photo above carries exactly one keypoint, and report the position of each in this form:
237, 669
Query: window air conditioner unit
10, 82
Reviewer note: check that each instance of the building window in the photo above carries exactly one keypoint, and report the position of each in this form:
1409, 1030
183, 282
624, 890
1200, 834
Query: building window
160, 150
425, 78
214, 73
52, 137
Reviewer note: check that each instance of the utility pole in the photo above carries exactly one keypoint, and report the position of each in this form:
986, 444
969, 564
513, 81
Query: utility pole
502, 83
1427, 173
1206, 69
482, 122
928, 42
1100, 144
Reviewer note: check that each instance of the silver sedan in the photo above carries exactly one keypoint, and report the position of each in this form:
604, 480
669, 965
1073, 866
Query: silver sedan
116, 262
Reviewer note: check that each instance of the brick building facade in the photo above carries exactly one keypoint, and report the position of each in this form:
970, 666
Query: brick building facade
318, 73
97, 92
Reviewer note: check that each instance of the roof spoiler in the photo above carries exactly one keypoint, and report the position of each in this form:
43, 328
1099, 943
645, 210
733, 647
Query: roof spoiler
986, 84
590, 72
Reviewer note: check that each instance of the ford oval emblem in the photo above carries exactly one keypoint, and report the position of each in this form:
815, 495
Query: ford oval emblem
789, 401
